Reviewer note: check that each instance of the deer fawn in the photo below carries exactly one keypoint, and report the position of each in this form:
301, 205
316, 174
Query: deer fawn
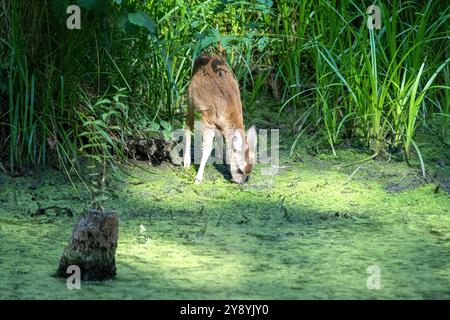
214, 92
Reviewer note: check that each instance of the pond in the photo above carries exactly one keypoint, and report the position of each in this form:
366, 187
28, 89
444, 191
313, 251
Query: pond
313, 231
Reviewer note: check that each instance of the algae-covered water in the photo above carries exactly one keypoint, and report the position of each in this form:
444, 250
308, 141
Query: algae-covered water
309, 232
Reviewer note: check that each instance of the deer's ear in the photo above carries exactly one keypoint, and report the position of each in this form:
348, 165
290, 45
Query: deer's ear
238, 142
252, 139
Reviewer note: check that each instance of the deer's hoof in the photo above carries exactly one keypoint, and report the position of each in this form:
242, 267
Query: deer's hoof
197, 181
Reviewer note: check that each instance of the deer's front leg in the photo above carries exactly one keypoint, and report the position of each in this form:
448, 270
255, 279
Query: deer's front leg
208, 138
187, 148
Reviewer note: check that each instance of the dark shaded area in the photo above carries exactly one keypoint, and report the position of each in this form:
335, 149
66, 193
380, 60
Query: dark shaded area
224, 170
58, 210
153, 150
407, 184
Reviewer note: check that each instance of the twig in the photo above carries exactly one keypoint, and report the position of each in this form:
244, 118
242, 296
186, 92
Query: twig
362, 161
351, 176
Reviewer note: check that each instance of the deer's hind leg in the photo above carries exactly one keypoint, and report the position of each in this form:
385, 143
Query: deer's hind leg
187, 135
207, 145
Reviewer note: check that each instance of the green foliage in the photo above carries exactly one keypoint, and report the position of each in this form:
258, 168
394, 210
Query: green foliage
143, 20
366, 79
317, 59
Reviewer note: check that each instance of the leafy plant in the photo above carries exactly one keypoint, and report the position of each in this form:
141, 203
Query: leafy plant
59, 95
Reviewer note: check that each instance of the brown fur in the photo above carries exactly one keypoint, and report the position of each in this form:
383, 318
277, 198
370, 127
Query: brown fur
214, 92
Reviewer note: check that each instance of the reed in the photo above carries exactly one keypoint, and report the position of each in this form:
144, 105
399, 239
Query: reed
317, 58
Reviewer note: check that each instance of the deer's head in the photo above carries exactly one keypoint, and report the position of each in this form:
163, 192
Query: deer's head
242, 154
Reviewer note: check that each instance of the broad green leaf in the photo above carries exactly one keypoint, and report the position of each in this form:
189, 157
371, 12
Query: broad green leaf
213, 36
88, 4
262, 42
143, 20
167, 134
154, 126
267, 3
125, 25
229, 41
166, 125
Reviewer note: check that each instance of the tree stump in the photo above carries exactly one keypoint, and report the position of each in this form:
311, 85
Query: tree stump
92, 247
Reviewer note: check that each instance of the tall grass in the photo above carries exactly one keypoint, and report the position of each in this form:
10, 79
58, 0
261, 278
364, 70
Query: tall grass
378, 80
71, 93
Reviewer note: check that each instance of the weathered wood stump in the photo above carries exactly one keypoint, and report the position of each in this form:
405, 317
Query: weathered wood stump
92, 247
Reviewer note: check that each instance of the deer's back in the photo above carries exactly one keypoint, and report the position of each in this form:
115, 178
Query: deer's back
215, 92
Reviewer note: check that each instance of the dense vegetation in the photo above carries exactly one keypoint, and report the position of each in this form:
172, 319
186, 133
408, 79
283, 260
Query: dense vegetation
73, 101
66, 93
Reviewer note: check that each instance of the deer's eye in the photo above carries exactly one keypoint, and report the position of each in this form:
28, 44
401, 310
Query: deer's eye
239, 171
